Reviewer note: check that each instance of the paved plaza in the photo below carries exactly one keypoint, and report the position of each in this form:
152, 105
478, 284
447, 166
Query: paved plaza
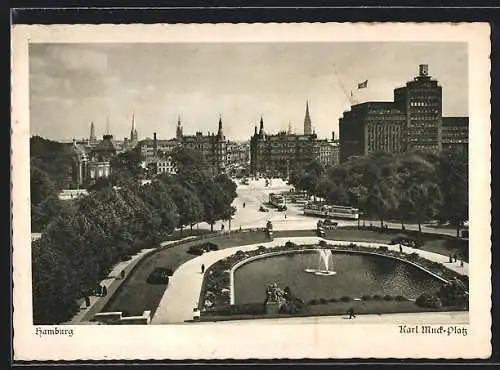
256, 194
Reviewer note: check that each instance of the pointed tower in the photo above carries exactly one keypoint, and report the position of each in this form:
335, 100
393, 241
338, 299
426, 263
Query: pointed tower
261, 128
307, 121
93, 138
133, 130
289, 132
178, 131
220, 134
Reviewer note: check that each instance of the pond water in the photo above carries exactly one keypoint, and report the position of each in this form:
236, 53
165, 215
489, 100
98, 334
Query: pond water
356, 275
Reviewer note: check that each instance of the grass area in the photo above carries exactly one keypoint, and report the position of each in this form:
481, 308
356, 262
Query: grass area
341, 308
135, 295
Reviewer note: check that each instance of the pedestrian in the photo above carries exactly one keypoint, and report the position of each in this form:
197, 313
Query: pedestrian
455, 257
244, 204
400, 248
87, 301
285, 216
351, 313
202, 268
122, 274
451, 259
104, 291
461, 263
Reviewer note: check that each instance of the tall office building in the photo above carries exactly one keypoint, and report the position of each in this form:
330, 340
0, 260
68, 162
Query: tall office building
421, 101
371, 127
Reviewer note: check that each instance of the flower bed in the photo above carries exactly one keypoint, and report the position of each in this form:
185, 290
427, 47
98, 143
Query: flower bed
216, 286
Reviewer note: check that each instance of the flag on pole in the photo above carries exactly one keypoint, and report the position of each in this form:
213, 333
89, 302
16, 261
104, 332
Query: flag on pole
363, 84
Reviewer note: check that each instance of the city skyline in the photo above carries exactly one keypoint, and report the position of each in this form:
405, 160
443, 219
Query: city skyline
198, 82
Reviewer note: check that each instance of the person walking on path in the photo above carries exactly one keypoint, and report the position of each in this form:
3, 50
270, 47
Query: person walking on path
202, 269
351, 313
104, 291
400, 248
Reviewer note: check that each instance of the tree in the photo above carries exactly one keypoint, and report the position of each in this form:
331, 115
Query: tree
41, 187
189, 205
54, 293
157, 195
425, 197
453, 180
47, 210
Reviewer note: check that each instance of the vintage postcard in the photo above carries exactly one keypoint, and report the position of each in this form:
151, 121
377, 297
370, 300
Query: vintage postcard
251, 191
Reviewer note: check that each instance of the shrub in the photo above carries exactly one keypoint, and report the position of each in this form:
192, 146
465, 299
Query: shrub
345, 298
197, 250
400, 298
158, 276
322, 301
352, 245
290, 244
377, 297
333, 300
388, 297
366, 297
383, 248
261, 248
322, 243
413, 256
313, 302
428, 301
211, 246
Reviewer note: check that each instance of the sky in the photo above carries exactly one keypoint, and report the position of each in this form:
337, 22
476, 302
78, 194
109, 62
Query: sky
74, 84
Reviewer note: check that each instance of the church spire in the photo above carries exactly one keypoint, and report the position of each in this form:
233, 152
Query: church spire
307, 121
219, 133
178, 132
261, 128
92, 133
133, 130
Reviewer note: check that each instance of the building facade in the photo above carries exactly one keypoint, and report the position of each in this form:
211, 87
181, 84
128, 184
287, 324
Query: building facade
149, 148
237, 154
455, 135
421, 101
90, 164
328, 152
212, 147
277, 155
371, 127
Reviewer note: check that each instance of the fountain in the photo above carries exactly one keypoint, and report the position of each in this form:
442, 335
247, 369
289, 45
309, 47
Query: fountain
325, 264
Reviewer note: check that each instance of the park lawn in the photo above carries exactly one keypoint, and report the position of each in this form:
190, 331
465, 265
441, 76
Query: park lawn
341, 308
135, 295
